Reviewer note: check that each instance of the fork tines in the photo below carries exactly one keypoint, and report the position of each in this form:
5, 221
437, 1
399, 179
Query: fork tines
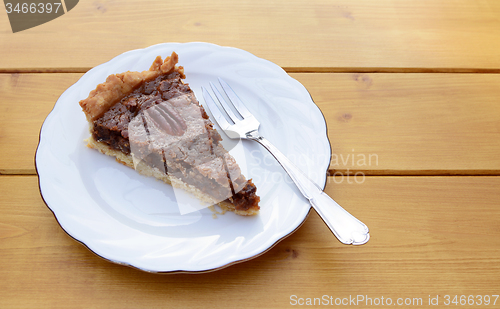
233, 100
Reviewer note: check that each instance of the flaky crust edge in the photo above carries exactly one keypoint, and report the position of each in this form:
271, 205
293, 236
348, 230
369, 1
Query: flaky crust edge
119, 85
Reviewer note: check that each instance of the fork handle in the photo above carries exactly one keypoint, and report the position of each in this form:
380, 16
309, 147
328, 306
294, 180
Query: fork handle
344, 226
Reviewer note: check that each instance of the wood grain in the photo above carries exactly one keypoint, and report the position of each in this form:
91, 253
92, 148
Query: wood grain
430, 236
378, 124
27, 99
316, 35
410, 124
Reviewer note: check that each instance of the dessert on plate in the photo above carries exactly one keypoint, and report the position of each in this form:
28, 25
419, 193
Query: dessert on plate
152, 121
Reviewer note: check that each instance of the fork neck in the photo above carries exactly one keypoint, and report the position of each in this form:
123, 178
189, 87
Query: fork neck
254, 135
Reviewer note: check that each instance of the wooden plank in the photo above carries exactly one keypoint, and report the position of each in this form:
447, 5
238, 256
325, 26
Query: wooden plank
430, 236
26, 100
434, 124
328, 35
378, 124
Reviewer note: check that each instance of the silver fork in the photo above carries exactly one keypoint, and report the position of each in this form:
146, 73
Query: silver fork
344, 226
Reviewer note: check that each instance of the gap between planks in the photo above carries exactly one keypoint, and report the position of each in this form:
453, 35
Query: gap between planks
342, 172
426, 173
291, 70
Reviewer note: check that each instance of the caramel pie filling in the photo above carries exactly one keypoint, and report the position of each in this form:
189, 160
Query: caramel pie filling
170, 131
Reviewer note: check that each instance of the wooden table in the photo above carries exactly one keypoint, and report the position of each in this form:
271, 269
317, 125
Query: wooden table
416, 83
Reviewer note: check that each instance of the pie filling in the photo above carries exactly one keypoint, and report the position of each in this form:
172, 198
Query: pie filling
159, 122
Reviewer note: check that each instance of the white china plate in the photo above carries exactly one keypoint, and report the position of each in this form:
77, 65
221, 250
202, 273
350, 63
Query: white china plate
133, 220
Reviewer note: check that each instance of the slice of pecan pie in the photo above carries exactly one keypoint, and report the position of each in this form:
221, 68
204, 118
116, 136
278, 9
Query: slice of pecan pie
151, 121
